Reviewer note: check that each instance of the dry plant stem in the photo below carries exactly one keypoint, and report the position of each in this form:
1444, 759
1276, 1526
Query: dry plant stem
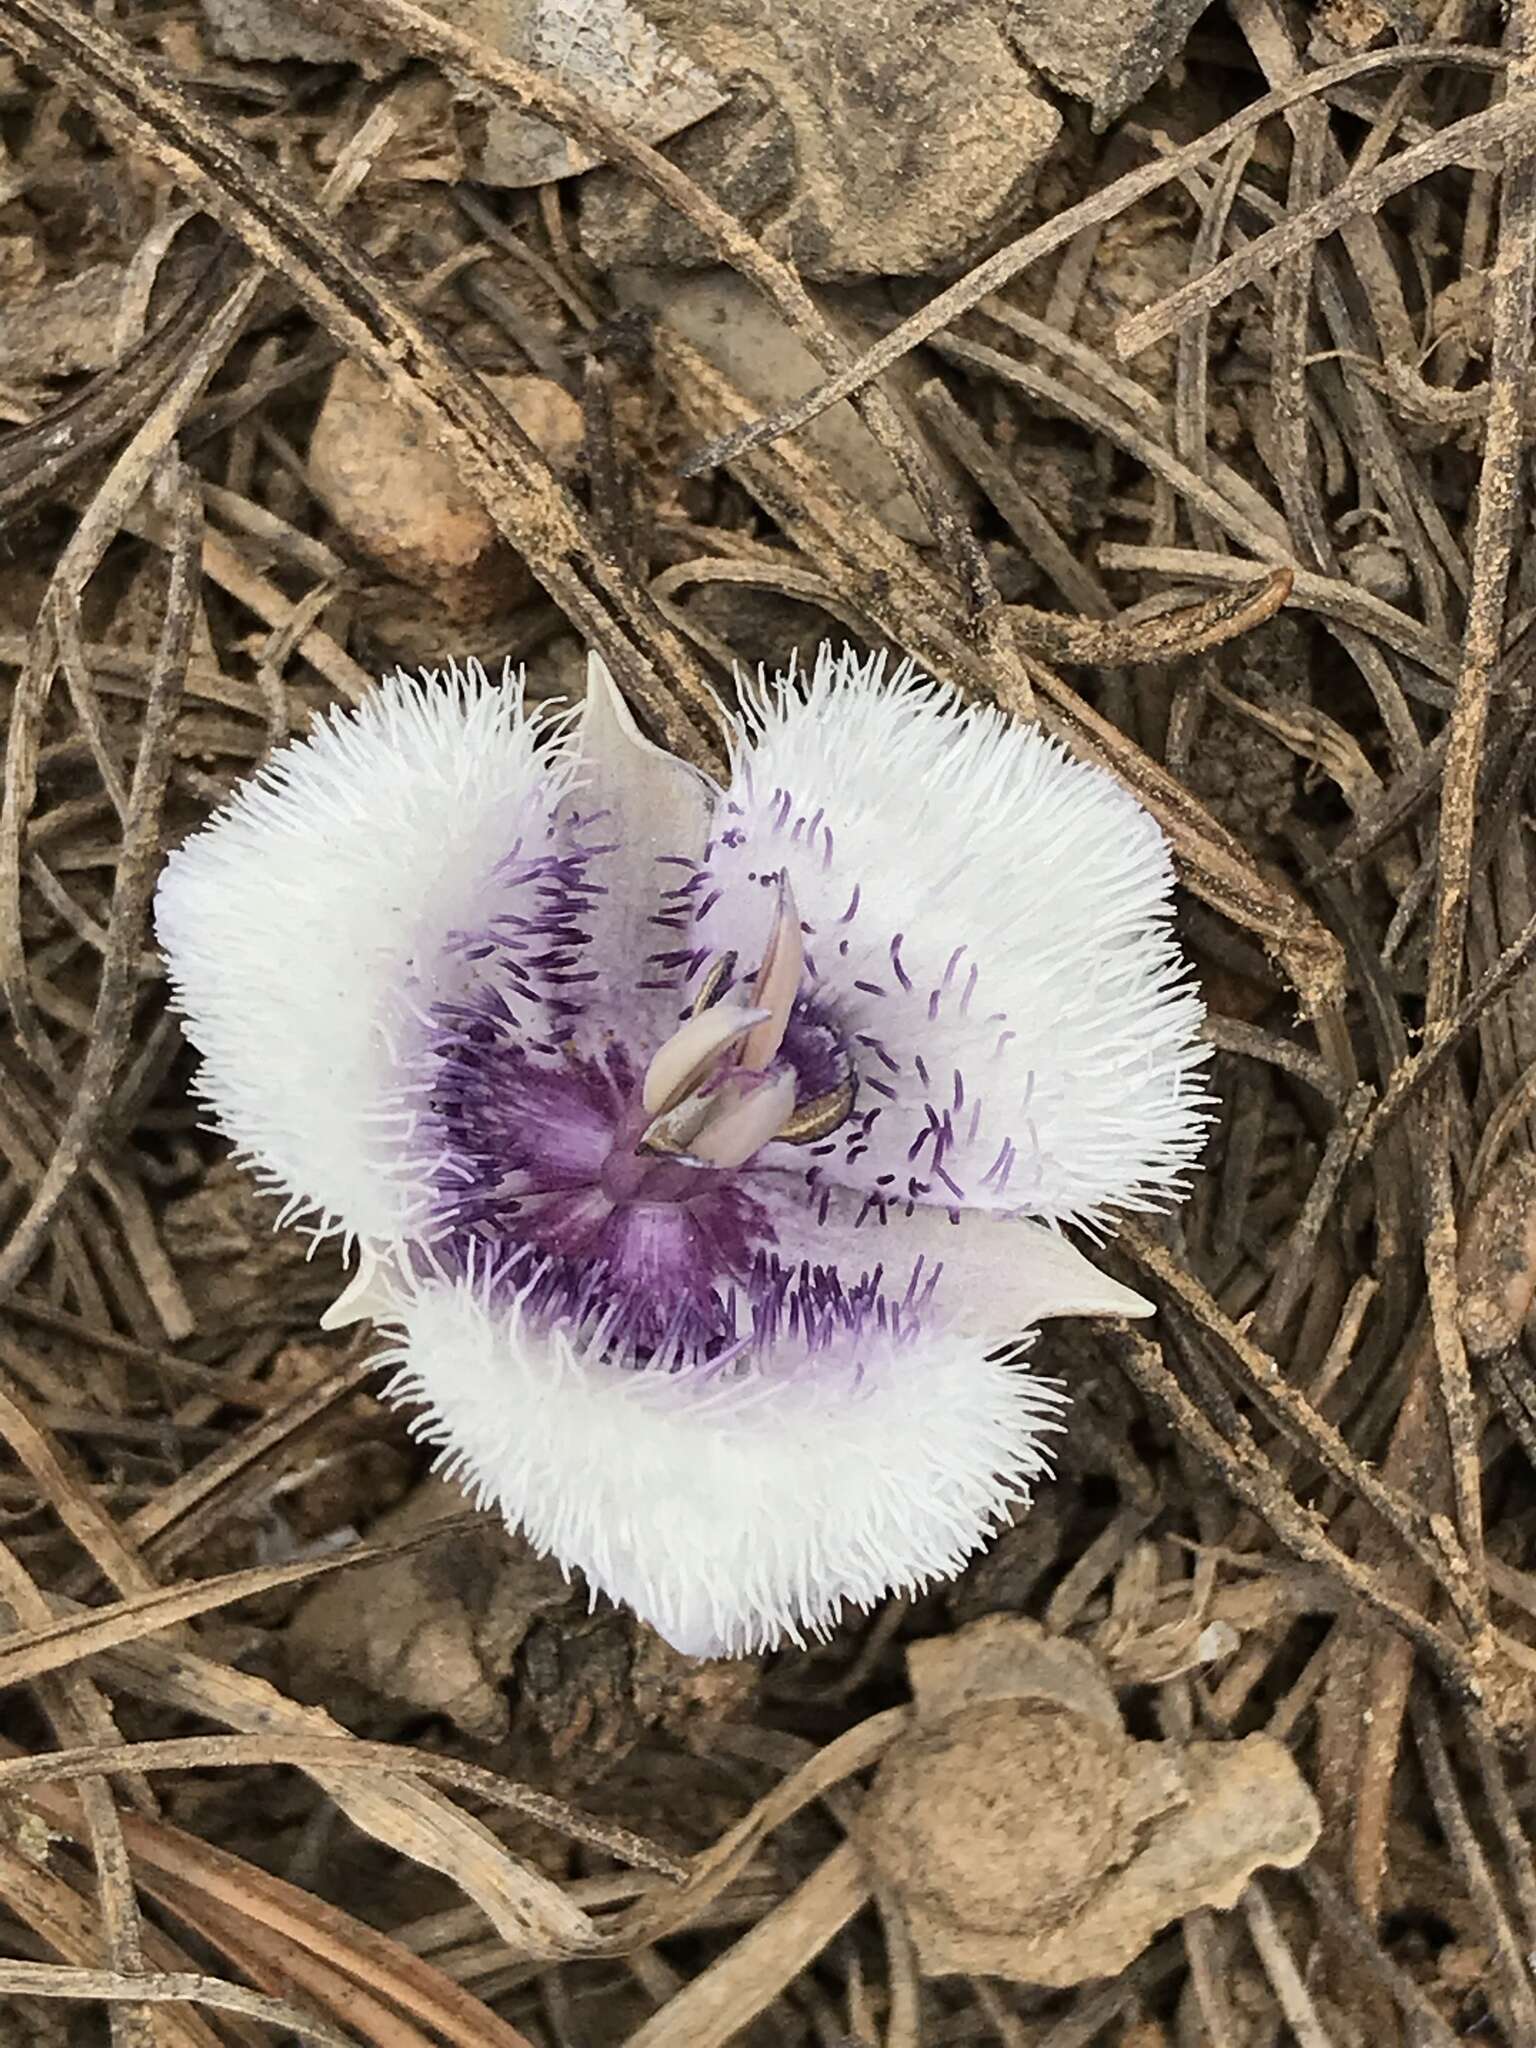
1464, 142
1443, 1039
1513, 278
1289, 1986
1156, 641
1512, 1830
376, 323
1340, 603
1248, 1042
35, 461
137, 867
1205, 1944
1347, 1926
1253, 1480
1040, 540
1365, 1696
1261, 1378
181, 1987
57, 1644
991, 275
129, 477
76, 1708
318, 1754
1511, 1970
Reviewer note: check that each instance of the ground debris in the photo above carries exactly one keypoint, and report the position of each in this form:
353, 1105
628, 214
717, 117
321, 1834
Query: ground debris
827, 146
1106, 52
1028, 1836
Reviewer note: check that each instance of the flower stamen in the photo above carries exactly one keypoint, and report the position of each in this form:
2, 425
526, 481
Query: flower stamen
778, 981
692, 1052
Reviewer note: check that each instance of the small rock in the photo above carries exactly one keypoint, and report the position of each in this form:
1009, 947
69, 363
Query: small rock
731, 323
858, 146
1346, 27
264, 31
62, 328
1381, 570
1106, 52
607, 50
480, 1629
386, 485
431, 1632
1028, 1836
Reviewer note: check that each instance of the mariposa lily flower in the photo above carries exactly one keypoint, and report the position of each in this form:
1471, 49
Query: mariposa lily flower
707, 1148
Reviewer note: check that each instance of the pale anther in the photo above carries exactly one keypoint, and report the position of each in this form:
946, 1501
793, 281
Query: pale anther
687, 1056
746, 1125
778, 981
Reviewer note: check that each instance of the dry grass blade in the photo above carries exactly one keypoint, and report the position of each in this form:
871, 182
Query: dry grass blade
318, 1755
411, 1819
77, 1709
137, 867
990, 276
862, 1745
56, 1912
58, 1644
249, 1900
181, 1987
720, 2001
1464, 142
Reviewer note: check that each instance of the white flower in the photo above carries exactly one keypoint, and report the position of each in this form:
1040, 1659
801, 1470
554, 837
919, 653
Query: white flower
707, 1148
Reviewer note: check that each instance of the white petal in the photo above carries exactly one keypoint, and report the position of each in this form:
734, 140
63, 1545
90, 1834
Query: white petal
735, 1512
991, 920
305, 926
655, 811
997, 1275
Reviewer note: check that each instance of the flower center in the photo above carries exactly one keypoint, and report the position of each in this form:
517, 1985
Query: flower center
598, 1192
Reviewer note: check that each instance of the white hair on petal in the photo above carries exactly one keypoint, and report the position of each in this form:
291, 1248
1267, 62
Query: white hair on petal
305, 924
737, 1512
1031, 895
